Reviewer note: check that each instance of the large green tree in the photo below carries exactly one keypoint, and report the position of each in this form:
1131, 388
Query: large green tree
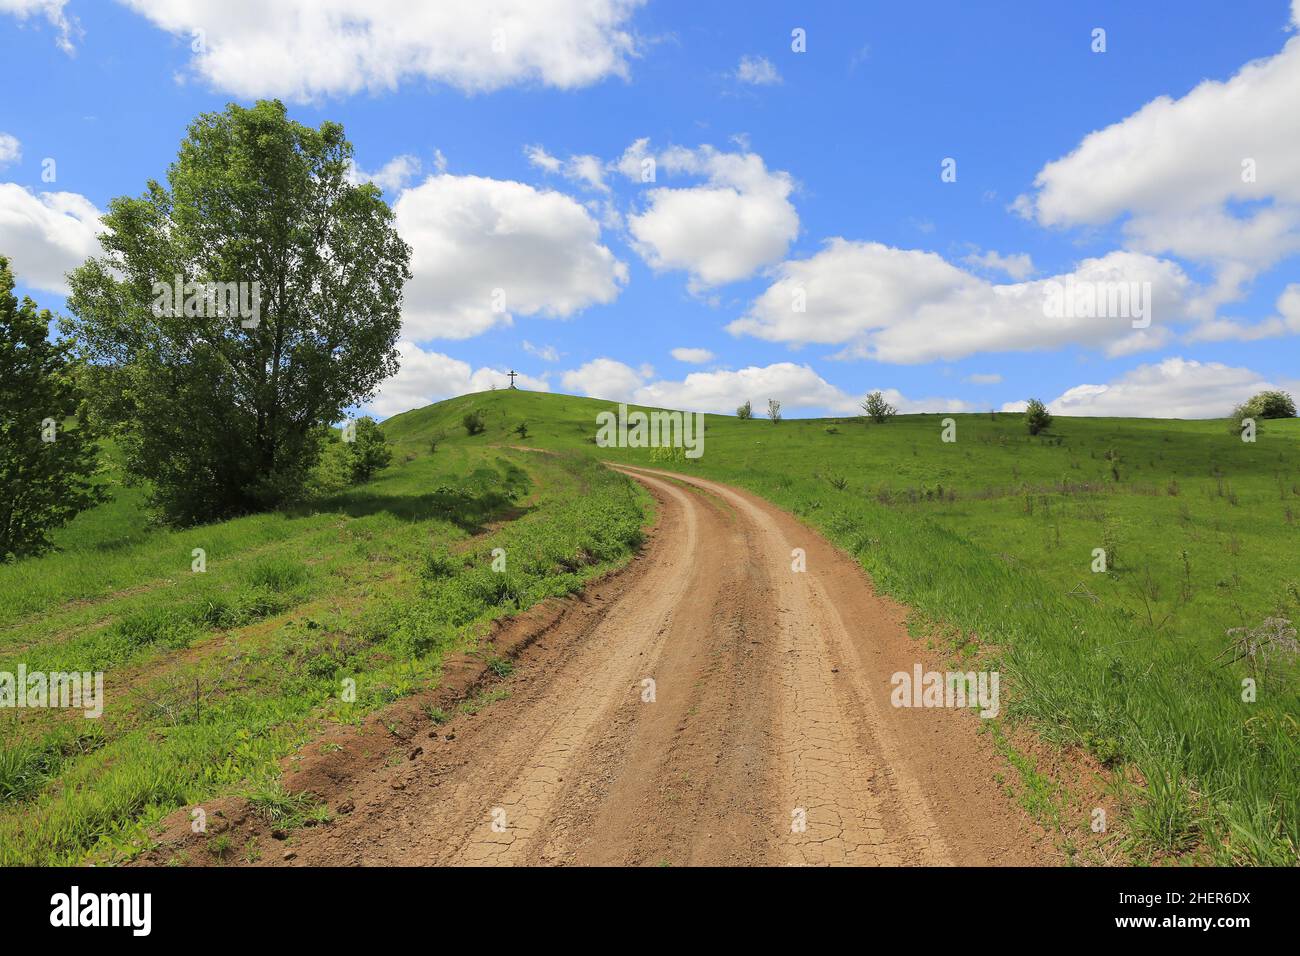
45, 471
217, 404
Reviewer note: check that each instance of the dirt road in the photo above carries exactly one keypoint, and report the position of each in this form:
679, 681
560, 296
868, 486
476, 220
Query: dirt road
710, 705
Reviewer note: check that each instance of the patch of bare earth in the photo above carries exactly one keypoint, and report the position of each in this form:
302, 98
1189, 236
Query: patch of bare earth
707, 705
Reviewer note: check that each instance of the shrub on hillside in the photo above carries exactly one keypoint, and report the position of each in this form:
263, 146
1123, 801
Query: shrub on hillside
1270, 405
45, 471
474, 423
368, 452
746, 411
877, 409
1037, 418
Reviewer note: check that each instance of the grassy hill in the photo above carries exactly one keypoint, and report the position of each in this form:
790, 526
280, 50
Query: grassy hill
212, 677
991, 539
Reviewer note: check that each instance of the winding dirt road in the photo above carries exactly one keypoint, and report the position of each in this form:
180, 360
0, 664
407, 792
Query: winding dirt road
709, 705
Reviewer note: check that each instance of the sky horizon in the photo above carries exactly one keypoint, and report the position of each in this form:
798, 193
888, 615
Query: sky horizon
646, 201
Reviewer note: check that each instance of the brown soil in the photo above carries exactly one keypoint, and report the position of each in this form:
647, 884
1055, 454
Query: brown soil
771, 709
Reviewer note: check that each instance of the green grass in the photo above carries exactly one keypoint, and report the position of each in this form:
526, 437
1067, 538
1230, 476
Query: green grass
212, 677
991, 539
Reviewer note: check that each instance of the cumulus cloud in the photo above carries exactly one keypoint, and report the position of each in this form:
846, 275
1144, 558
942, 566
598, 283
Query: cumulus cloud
484, 250
306, 49
1212, 176
47, 235
547, 353
1286, 322
757, 70
991, 378
392, 177
586, 170
52, 11
796, 387
605, 378
909, 306
1018, 266
426, 377
1173, 388
692, 356
11, 151
738, 221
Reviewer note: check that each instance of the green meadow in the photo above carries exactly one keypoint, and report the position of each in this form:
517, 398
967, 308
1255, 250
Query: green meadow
991, 539
211, 677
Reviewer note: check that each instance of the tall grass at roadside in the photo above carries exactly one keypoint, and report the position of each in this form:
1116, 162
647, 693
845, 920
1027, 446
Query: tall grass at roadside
220, 722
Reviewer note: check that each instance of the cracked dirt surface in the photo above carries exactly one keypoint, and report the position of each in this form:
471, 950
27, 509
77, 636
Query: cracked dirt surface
710, 705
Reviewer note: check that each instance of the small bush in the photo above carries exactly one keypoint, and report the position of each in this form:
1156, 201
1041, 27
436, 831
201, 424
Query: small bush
369, 452
474, 423
877, 409
1037, 418
774, 410
745, 412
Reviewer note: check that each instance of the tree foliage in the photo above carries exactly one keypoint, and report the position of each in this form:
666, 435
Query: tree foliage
1037, 418
1269, 404
877, 409
745, 412
773, 410
369, 451
474, 422
46, 471
222, 412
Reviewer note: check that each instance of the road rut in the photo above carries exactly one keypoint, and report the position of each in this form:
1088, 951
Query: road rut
714, 707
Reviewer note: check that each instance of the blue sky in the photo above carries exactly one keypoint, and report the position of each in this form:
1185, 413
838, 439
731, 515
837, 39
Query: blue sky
504, 133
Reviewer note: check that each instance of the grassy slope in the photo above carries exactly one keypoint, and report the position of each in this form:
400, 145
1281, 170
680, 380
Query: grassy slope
377, 582
992, 538
211, 677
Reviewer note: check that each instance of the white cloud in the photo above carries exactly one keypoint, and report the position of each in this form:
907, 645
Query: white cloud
1286, 322
1018, 266
539, 157
392, 177
693, 356
1173, 388
909, 306
45, 236
604, 378
586, 170
740, 220
11, 151
307, 49
796, 387
981, 379
52, 10
1173, 174
757, 70
428, 377
547, 353
471, 236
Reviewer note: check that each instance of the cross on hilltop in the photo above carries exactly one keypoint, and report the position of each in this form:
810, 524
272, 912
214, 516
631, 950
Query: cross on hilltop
512, 373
